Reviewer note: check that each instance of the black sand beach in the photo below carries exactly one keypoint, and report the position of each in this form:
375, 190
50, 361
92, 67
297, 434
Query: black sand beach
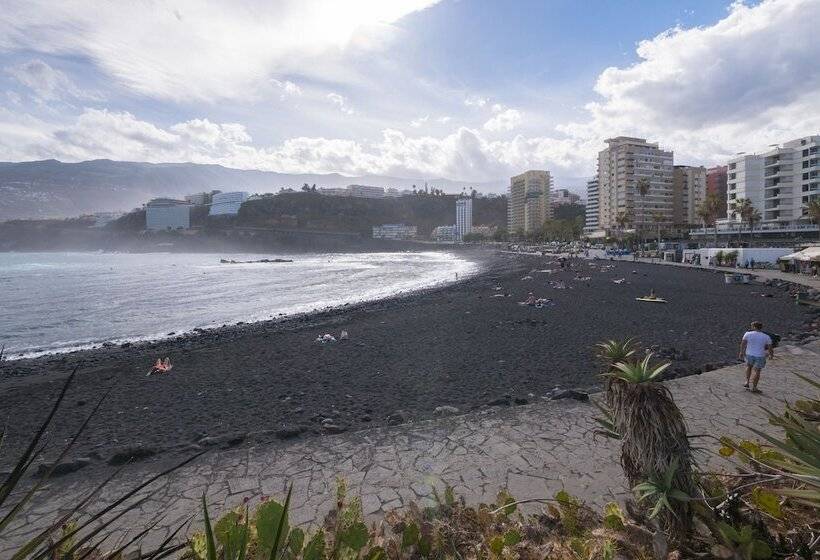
458, 346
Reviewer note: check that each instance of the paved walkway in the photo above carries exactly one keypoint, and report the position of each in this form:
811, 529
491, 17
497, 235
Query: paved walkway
764, 273
532, 450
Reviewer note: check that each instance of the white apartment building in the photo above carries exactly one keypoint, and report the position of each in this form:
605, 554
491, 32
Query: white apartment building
689, 190
394, 231
365, 191
361, 191
444, 233
528, 201
167, 213
779, 183
622, 167
464, 216
591, 211
744, 179
560, 197
199, 199
334, 191
227, 203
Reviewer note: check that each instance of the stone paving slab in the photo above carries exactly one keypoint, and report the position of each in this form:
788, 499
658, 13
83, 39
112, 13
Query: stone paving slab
533, 450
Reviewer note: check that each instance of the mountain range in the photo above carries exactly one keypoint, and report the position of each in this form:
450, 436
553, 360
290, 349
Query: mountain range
54, 189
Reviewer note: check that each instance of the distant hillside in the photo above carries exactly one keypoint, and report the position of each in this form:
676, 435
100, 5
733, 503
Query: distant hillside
316, 212
50, 188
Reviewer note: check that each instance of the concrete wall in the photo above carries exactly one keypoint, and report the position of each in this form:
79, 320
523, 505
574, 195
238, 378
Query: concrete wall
760, 255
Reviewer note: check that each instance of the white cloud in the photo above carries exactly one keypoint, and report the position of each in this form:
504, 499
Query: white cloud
507, 119
475, 101
750, 80
14, 97
419, 122
47, 83
287, 88
200, 49
341, 102
464, 153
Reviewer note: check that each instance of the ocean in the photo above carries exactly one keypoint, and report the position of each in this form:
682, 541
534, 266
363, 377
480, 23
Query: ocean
57, 302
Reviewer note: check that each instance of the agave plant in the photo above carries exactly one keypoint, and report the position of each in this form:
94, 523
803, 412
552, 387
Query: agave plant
653, 438
798, 459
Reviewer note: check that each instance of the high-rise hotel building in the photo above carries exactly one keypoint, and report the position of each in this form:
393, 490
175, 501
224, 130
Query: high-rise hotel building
464, 216
528, 201
622, 167
779, 183
591, 210
688, 193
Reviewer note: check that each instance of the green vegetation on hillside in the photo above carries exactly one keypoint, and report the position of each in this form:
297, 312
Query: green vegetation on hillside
313, 211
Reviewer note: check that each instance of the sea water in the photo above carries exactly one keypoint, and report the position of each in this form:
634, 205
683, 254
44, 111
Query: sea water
56, 302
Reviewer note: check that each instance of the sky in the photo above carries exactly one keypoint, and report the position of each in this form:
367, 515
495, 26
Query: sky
472, 90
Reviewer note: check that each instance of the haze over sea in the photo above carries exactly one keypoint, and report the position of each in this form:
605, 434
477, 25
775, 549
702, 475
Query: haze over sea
53, 302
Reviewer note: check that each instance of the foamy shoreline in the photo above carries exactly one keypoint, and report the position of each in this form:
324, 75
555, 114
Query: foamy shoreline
470, 269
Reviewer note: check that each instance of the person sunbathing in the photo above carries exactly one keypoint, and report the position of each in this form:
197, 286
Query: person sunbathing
161, 366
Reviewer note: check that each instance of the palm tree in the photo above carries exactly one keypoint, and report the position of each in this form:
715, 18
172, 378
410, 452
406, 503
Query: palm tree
749, 214
741, 207
752, 217
622, 218
643, 189
659, 218
813, 210
707, 212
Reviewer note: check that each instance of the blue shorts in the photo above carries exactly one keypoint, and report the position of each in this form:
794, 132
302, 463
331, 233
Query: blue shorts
758, 362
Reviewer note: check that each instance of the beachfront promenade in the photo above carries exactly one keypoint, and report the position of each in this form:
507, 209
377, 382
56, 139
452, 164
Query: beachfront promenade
761, 273
533, 450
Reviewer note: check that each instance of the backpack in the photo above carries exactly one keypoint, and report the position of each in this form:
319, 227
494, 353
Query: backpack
775, 338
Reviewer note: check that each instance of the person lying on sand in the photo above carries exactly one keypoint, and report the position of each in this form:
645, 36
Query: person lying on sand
161, 366
532, 301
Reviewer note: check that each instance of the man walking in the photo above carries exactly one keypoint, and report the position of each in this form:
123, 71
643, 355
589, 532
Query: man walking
754, 348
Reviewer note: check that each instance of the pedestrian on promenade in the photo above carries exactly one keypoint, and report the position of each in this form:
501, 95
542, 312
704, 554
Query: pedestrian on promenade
754, 348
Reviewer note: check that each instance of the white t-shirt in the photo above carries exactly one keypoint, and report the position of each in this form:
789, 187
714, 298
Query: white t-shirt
756, 342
